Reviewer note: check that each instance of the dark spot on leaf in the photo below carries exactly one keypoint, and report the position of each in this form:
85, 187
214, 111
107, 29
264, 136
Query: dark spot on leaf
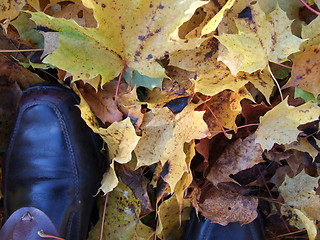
161, 6
149, 56
137, 53
316, 50
123, 27
208, 55
151, 6
245, 13
103, 5
80, 14
308, 70
141, 38
158, 30
195, 77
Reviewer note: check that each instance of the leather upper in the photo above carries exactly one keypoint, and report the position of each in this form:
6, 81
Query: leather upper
53, 161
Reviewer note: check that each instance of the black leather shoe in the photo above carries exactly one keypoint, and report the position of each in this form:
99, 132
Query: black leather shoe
53, 162
204, 229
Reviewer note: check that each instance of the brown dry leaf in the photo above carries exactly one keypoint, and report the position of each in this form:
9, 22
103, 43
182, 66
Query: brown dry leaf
304, 146
11, 71
130, 106
238, 156
101, 103
10, 10
138, 184
214, 76
224, 207
226, 107
252, 112
10, 94
299, 193
171, 220
305, 72
163, 138
279, 125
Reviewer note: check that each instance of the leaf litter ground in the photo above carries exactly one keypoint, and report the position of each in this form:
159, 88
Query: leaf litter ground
186, 96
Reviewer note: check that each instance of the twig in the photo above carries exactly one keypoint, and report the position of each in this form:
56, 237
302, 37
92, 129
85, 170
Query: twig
21, 50
44, 235
282, 65
309, 8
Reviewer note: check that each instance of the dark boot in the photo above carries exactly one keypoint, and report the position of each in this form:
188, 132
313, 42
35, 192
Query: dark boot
203, 229
53, 162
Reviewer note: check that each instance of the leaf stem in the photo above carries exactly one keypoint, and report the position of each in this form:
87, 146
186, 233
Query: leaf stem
309, 8
44, 235
276, 82
282, 65
119, 81
103, 216
21, 50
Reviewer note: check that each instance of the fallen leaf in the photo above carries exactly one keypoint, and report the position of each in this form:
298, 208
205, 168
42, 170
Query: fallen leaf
261, 38
252, 112
122, 217
136, 39
101, 103
238, 156
138, 184
214, 76
223, 109
303, 145
224, 207
171, 220
10, 9
311, 33
186, 179
279, 125
299, 193
163, 138
305, 72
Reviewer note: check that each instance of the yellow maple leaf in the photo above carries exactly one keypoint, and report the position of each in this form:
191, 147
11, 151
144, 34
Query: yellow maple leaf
163, 138
120, 137
299, 194
311, 33
170, 218
122, 217
129, 33
222, 109
261, 39
305, 72
279, 125
214, 76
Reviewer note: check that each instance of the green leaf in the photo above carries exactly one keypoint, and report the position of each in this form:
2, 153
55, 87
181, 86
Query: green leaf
138, 80
306, 96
